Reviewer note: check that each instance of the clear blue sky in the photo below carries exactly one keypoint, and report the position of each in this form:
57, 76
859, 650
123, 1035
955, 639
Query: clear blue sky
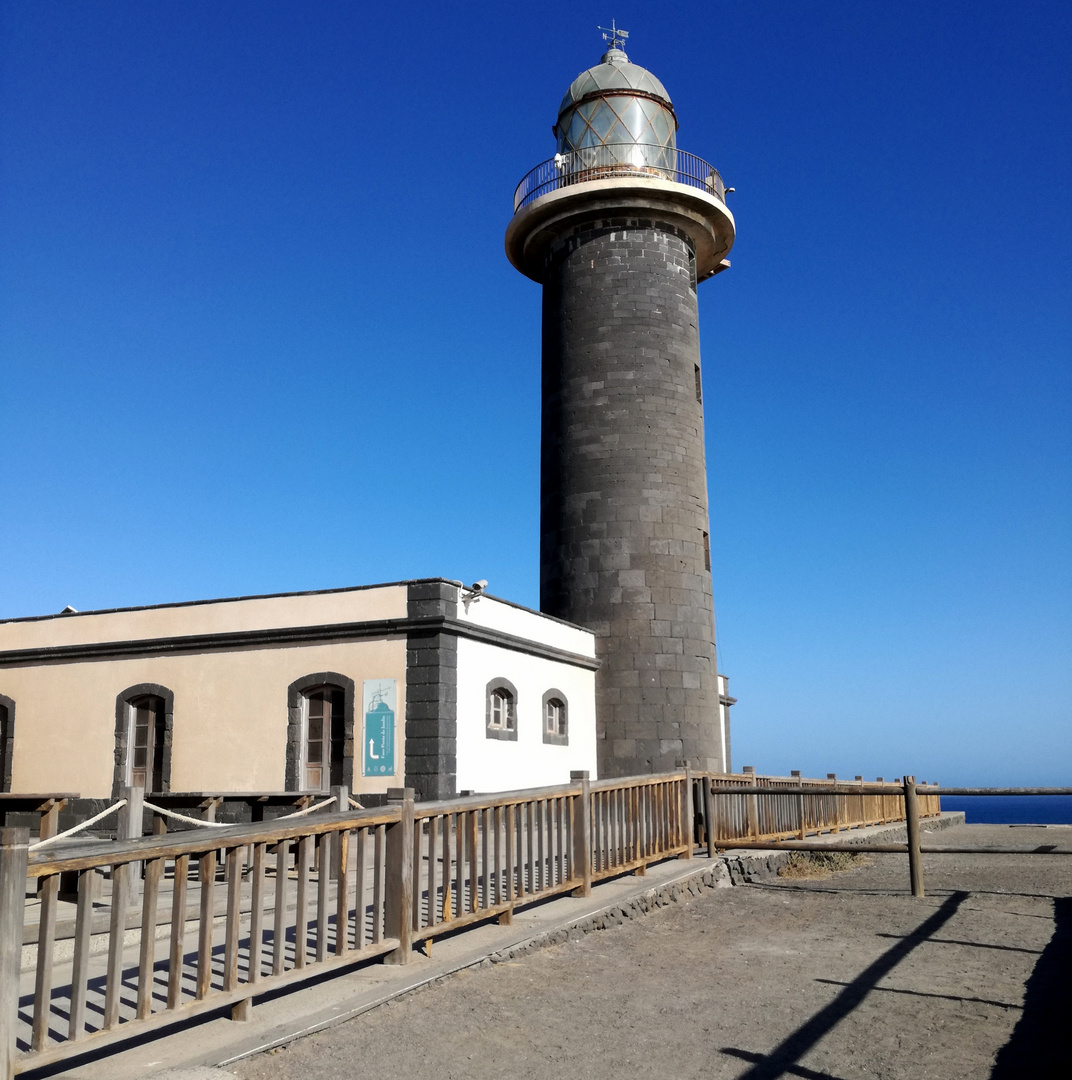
257, 333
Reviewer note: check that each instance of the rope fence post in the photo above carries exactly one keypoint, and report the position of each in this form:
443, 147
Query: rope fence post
129, 828
341, 793
582, 833
14, 852
398, 899
915, 858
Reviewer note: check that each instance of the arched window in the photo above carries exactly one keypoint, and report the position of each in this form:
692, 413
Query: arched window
144, 719
555, 718
501, 710
320, 732
7, 740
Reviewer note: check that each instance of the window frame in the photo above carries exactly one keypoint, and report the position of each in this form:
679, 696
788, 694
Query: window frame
125, 704
7, 746
505, 730
329, 740
297, 719
560, 738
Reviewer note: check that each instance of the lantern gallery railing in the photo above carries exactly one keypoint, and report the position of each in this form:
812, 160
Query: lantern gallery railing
637, 161
174, 924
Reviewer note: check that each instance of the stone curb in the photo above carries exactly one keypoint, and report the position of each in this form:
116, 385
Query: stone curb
712, 877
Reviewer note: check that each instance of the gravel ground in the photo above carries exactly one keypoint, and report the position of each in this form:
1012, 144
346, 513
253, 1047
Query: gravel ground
842, 976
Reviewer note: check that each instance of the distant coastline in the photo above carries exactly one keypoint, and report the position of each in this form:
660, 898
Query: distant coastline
1013, 809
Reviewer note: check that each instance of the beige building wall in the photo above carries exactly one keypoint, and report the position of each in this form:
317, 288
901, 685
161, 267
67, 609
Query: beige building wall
230, 714
228, 665
229, 616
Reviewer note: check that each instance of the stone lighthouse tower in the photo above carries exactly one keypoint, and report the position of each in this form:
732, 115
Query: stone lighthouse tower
618, 228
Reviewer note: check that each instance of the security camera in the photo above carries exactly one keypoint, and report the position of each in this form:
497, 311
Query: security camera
479, 586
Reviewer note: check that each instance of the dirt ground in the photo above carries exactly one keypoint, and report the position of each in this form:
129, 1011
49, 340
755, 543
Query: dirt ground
842, 976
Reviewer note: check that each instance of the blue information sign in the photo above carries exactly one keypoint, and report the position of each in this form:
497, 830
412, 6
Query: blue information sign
379, 727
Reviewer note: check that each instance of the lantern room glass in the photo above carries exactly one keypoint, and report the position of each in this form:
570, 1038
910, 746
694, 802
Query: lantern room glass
618, 129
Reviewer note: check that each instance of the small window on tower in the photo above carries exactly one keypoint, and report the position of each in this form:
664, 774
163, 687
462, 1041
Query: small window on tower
706, 551
699, 385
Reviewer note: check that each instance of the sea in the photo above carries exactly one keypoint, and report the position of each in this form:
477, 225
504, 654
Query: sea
1012, 809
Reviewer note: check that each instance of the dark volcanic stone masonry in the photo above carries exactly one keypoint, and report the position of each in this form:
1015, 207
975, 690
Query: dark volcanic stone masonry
624, 548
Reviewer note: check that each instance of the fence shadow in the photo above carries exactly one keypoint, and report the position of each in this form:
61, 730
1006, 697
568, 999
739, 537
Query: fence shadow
1041, 1042
785, 1057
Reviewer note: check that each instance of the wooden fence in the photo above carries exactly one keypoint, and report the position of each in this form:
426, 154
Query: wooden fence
807, 806
167, 926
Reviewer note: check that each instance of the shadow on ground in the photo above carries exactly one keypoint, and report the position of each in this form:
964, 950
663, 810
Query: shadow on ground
1041, 1043
784, 1059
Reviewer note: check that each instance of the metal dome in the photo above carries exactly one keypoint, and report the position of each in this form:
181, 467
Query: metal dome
620, 112
614, 71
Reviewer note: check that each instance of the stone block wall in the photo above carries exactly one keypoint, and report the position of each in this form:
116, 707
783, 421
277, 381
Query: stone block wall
624, 520
432, 694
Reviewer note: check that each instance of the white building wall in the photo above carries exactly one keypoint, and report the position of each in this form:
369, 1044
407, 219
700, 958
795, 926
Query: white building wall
496, 614
488, 765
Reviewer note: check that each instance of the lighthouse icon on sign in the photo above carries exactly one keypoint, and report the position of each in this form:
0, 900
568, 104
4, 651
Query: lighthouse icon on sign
378, 736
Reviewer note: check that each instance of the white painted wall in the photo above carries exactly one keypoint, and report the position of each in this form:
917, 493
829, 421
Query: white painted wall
488, 765
526, 623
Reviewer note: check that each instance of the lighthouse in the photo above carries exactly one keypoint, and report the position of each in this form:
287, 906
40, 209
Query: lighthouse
619, 228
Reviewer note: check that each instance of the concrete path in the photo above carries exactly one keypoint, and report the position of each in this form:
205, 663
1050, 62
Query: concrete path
841, 977
561, 922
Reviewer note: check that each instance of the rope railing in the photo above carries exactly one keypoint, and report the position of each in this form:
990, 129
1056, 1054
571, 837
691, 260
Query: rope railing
80, 826
309, 809
176, 816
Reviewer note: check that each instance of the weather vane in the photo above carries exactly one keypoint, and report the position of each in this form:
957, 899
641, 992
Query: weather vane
615, 36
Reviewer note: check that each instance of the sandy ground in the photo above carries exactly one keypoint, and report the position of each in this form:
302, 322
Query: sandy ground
844, 976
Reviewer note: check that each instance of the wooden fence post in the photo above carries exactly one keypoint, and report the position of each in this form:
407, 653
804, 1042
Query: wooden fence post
915, 858
709, 815
837, 804
14, 851
129, 828
398, 898
802, 820
752, 805
688, 811
582, 833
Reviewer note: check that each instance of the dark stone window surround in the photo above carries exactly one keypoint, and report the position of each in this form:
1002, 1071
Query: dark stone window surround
7, 752
504, 734
555, 740
294, 724
122, 732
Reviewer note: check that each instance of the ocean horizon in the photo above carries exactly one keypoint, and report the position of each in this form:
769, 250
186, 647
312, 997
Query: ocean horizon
1012, 809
